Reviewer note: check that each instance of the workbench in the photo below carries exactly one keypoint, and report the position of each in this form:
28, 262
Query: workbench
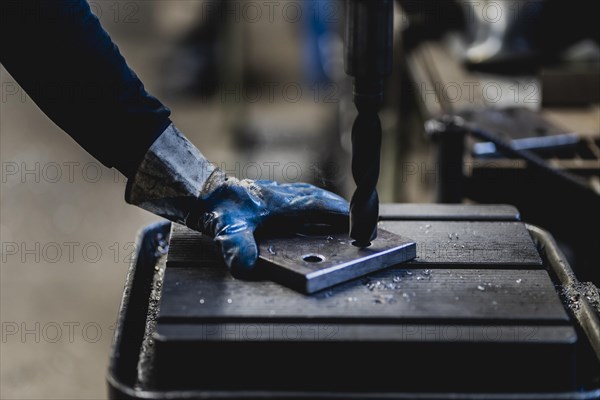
510, 107
478, 312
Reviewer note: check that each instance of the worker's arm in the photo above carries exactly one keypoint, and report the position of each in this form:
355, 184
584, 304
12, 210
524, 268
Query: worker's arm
66, 62
59, 53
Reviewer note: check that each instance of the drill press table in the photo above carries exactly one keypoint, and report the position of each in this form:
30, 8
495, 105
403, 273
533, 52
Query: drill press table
475, 312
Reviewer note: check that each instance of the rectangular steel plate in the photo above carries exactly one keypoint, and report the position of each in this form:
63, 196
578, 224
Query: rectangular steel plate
312, 263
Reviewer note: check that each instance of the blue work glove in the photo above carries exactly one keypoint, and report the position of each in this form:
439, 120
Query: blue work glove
231, 210
176, 181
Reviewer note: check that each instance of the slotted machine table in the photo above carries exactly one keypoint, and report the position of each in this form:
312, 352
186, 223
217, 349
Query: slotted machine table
478, 314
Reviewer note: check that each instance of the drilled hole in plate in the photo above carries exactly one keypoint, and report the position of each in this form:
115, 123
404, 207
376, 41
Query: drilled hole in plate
313, 258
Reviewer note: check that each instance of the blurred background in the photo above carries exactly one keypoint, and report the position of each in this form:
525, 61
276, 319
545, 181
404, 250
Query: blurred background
260, 89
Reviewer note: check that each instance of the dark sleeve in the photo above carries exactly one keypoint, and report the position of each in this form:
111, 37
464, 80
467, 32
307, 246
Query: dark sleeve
66, 62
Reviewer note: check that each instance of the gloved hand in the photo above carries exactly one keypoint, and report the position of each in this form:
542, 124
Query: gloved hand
176, 181
231, 210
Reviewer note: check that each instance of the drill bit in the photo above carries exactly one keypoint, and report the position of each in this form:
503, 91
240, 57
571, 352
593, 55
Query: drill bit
366, 148
369, 44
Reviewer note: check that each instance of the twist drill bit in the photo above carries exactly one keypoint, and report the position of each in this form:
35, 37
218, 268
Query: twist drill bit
366, 148
369, 44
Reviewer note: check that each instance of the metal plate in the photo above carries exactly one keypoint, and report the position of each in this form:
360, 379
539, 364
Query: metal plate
312, 263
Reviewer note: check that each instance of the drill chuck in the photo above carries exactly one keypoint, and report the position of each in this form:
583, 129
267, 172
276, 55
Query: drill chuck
369, 38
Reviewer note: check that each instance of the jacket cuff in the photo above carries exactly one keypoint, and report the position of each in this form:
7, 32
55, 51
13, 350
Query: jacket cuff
170, 178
